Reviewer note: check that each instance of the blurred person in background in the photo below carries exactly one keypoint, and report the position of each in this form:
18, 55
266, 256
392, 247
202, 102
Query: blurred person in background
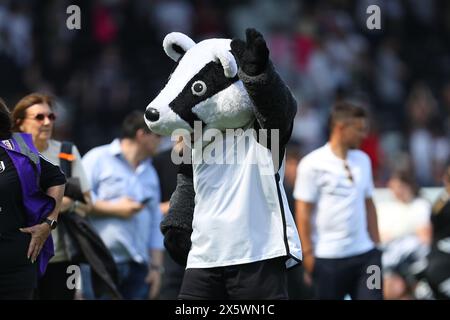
335, 213
299, 283
293, 156
29, 211
412, 213
428, 143
34, 114
126, 206
438, 270
167, 172
405, 232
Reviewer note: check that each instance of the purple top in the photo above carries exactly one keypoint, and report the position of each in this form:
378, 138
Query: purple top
38, 205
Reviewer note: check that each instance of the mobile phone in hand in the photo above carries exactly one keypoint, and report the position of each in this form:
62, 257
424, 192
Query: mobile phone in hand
145, 201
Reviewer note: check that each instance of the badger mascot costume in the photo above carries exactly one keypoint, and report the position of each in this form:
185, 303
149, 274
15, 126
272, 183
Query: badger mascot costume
228, 221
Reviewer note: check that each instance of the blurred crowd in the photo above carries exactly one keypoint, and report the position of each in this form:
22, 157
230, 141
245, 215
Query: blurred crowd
324, 50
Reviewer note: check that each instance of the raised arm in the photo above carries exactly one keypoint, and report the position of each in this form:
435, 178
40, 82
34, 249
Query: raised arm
275, 106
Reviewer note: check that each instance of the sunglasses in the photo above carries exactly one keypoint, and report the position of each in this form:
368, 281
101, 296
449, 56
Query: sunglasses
41, 117
349, 172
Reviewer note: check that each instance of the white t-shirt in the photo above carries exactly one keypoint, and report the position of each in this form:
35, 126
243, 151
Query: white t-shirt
397, 219
338, 222
241, 212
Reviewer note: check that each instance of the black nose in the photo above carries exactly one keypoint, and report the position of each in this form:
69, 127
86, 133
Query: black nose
151, 114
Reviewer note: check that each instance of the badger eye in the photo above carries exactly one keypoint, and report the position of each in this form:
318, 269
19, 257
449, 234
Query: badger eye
198, 88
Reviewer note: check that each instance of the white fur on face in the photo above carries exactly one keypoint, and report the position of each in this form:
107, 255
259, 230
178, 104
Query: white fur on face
168, 121
227, 109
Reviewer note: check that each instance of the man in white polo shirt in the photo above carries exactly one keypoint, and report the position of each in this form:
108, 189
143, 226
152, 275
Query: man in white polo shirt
335, 214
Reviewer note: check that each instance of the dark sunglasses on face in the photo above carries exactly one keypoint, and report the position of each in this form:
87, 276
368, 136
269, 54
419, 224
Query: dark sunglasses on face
41, 117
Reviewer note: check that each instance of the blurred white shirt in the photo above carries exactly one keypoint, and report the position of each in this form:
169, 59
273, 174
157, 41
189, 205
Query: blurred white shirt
339, 219
397, 219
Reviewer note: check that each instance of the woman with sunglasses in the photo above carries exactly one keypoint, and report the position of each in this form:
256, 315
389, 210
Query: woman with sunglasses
34, 114
31, 190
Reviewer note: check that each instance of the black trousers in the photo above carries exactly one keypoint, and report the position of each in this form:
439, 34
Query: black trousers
264, 279
53, 285
438, 274
358, 276
297, 288
171, 279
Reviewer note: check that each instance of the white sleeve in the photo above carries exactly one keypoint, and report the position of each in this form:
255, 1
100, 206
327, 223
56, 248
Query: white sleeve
306, 188
89, 162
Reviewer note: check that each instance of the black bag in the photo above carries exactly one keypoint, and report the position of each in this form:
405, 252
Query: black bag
72, 190
93, 251
81, 241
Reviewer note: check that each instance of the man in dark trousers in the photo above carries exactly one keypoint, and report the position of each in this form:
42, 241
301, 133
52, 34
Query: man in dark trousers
335, 214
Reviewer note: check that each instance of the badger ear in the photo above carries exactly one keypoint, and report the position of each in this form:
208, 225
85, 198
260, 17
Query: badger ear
227, 61
176, 44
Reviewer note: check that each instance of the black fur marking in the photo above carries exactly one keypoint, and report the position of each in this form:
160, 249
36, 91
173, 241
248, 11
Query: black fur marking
174, 68
266, 141
213, 76
178, 49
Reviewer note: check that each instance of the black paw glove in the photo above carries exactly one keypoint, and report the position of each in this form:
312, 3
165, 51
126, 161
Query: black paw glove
178, 243
251, 55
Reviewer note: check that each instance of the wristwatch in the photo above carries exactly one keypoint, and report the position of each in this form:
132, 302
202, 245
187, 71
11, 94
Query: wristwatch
52, 223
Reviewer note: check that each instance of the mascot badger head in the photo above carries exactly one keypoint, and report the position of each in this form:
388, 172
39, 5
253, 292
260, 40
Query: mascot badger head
204, 87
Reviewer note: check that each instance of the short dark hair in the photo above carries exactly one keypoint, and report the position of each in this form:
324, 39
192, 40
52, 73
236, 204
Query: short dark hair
345, 111
5, 121
132, 123
407, 177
